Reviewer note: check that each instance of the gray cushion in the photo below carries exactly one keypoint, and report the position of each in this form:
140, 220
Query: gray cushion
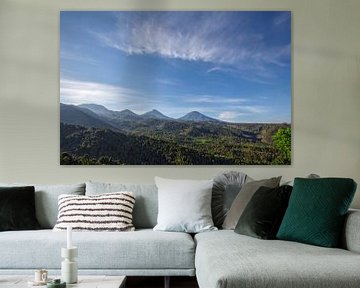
226, 259
226, 187
46, 200
243, 198
351, 234
144, 249
146, 204
184, 205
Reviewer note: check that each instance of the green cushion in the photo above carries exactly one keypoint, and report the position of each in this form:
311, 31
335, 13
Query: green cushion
316, 211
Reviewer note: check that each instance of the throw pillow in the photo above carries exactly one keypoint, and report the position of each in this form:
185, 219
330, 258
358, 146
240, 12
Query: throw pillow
146, 205
226, 187
184, 205
17, 208
106, 212
46, 200
263, 215
243, 198
317, 209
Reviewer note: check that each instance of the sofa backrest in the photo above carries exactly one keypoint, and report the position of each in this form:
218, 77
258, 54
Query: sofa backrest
146, 203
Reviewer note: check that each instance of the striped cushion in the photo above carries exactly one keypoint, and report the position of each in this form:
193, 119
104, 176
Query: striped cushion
105, 212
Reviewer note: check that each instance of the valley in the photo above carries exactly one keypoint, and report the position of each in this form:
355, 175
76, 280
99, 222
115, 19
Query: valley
94, 135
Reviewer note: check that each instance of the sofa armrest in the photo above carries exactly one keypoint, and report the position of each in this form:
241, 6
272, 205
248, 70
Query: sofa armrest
351, 234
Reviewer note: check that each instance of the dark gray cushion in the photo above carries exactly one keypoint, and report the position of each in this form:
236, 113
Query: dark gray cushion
243, 198
17, 208
263, 215
46, 200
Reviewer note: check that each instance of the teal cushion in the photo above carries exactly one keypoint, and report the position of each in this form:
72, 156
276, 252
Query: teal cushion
316, 211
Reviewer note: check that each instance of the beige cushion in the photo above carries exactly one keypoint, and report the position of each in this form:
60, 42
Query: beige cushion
243, 198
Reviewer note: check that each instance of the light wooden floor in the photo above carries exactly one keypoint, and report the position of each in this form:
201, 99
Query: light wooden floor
158, 282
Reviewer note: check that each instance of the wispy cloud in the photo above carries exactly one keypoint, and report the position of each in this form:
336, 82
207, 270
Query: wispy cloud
168, 82
205, 40
282, 18
65, 55
230, 116
113, 97
242, 113
212, 99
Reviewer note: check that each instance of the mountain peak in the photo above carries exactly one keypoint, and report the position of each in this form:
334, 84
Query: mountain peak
155, 114
92, 105
128, 111
196, 116
98, 109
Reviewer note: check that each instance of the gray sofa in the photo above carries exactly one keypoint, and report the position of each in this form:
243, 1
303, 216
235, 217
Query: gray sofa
218, 259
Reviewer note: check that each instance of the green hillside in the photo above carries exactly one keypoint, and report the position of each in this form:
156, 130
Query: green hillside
189, 144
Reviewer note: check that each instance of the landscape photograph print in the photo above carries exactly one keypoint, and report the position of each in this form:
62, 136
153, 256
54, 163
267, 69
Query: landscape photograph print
175, 88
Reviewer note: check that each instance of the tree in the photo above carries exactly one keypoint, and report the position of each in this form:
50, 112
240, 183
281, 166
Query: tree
67, 159
282, 141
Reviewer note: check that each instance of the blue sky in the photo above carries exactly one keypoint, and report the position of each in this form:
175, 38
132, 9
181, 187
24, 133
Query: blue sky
233, 66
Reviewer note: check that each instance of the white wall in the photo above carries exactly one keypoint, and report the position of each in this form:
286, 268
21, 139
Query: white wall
326, 91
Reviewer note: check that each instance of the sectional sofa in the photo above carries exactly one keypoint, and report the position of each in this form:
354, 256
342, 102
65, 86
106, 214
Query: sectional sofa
219, 259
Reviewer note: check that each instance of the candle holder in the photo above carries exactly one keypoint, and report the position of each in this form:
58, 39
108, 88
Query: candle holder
69, 271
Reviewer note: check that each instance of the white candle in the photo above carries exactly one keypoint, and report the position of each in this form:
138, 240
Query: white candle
69, 239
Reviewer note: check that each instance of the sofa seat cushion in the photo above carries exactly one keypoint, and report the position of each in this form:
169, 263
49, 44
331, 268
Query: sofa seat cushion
142, 249
225, 259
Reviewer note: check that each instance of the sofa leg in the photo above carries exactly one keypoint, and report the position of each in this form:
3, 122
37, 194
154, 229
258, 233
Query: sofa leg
167, 282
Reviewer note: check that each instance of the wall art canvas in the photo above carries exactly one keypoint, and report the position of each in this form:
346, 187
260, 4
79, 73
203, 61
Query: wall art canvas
175, 88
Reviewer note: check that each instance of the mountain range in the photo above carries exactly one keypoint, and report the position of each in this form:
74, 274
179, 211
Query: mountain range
153, 114
97, 116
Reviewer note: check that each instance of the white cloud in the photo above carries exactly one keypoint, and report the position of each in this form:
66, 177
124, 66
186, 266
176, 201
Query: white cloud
215, 69
253, 109
168, 82
113, 97
64, 55
282, 18
207, 40
243, 113
214, 99
230, 116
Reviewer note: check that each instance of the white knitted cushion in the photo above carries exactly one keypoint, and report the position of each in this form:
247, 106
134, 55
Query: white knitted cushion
105, 212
